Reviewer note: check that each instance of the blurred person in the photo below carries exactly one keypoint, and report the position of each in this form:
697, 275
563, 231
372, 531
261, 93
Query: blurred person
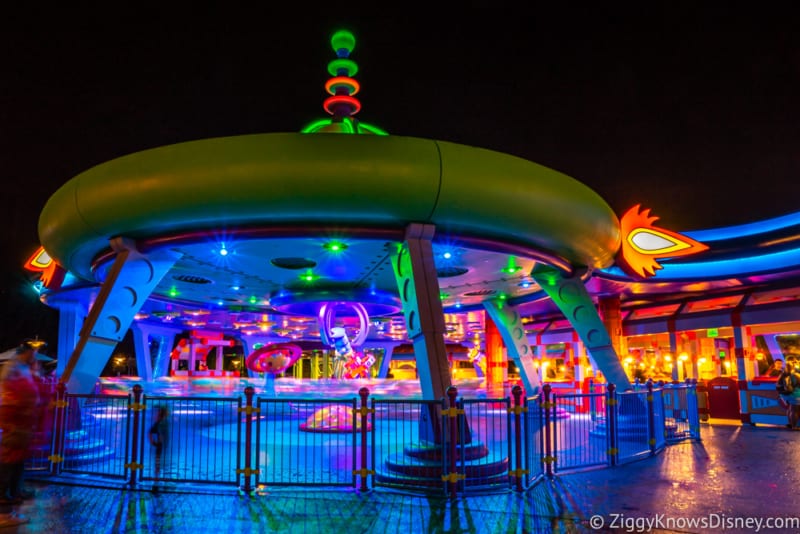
776, 369
44, 425
19, 404
788, 388
159, 435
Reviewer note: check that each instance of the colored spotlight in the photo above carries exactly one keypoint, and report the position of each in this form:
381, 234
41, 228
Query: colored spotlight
334, 246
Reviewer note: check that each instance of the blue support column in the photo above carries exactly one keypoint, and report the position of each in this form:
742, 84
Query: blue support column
70, 320
166, 342
141, 347
388, 348
143, 334
129, 282
509, 324
574, 301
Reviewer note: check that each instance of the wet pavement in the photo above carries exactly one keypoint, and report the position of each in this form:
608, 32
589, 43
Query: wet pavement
737, 479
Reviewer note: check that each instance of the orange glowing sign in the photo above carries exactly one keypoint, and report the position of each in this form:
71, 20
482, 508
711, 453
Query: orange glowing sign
643, 244
52, 273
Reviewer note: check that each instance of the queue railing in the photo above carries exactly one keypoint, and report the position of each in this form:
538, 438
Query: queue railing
454, 445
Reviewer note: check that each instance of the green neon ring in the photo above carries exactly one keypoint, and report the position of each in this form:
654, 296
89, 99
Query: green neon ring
342, 64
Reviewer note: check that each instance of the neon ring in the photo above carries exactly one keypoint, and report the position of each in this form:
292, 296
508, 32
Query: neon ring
350, 84
327, 320
337, 100
274, 358
341, 66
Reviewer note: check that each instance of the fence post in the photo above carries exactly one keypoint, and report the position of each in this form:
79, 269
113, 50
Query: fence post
137, 408
611, 418
364, 472
693, 409
517, 409
452, 413
549, 457
59, 429
247, 471
651, 418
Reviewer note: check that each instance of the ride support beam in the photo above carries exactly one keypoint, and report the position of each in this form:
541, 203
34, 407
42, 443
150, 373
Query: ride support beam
144, 365
70, 319
574, 301
415, 272
509, 324
496, 359
130, 280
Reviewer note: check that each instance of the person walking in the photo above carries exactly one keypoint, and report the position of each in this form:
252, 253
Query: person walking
159, 436
19, 403
788, 387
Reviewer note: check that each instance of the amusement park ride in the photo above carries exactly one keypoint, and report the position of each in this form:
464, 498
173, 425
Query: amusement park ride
355, 239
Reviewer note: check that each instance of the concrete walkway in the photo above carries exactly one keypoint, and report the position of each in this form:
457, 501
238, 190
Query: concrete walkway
736, 474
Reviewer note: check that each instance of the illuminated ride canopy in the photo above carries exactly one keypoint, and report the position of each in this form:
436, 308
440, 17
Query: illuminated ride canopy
260, 232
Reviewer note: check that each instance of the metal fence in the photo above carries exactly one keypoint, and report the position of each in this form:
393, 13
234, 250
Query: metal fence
454, 445
202, 440
403, 451
303, 442
97, 434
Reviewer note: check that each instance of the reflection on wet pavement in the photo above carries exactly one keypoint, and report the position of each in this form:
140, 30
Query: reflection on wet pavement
737, 473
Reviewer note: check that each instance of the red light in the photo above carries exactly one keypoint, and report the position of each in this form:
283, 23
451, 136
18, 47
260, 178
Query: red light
332, 102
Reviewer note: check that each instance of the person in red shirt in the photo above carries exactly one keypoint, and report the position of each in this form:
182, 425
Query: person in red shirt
19, 404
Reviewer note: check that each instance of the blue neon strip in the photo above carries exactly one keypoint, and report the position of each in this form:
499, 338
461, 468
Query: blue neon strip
722, 268
732, 232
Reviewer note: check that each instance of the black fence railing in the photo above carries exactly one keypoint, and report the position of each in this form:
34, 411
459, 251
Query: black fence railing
454, 445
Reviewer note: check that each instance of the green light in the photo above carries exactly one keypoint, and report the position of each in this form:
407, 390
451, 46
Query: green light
309, 277
346, 126
443, 296
343, 39
348, 65
712, 332
371, 129
512, 267
334, 246
316, 125
252, 300
173, 292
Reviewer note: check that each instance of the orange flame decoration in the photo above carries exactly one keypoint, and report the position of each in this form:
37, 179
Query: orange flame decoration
643, 244
52, 273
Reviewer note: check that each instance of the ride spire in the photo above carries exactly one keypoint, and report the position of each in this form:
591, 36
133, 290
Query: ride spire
342, 87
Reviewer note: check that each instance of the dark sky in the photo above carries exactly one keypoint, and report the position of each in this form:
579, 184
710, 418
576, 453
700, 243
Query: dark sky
691, 110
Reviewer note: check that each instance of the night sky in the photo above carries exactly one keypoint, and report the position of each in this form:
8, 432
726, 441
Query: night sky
691, 110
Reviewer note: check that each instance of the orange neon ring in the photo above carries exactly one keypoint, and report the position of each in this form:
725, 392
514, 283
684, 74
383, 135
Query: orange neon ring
342, 81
